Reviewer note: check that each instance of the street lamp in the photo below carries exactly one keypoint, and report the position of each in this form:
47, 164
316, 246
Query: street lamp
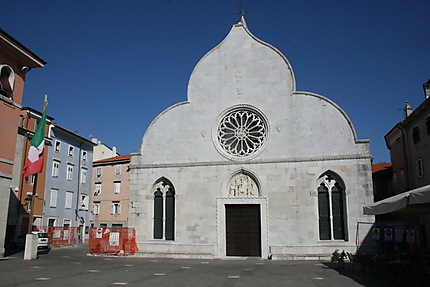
28, 200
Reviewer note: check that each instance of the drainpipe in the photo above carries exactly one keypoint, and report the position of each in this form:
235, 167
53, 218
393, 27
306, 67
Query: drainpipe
78, 192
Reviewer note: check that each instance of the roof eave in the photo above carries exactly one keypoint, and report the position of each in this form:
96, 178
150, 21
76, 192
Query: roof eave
15, 48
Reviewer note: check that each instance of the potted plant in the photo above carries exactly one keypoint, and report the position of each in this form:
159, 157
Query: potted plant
338, 258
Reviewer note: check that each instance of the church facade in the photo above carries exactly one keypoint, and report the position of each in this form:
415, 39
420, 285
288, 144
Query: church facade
248, 166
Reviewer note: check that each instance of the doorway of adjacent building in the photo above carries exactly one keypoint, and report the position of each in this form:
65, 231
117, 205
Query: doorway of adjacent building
243, 229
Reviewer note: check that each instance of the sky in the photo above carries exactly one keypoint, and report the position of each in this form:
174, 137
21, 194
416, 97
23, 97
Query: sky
114, 65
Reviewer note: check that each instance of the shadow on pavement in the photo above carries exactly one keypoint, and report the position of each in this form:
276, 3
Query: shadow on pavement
14, 251
358, 276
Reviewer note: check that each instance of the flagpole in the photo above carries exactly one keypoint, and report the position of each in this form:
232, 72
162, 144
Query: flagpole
32, 205
39, 133
33, 166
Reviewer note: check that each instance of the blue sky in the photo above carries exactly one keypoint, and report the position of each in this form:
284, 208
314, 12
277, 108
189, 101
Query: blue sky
113, 66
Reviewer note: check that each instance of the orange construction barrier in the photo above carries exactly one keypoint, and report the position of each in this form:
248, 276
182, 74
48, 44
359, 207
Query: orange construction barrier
115, 241
61, 236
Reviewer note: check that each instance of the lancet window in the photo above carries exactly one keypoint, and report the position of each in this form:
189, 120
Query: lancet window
164, 210
331, 208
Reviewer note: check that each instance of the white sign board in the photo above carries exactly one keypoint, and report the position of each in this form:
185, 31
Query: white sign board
114, 239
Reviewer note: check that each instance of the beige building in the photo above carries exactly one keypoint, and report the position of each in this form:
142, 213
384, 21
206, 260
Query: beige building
111, 192
102, 151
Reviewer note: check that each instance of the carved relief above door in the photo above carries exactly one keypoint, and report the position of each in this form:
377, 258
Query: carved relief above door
242, 186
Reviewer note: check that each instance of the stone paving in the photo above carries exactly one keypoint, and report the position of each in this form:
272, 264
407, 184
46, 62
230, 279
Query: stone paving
72, 267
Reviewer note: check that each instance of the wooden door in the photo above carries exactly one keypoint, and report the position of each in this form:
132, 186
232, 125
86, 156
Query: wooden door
243, 229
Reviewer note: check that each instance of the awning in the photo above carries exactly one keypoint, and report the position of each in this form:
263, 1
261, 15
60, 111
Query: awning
412, 201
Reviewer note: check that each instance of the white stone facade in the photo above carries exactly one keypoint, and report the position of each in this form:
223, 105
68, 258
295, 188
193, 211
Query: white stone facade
275, 158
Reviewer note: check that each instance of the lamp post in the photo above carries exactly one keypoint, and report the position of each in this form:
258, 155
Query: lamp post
28, 201
30, 251
30, 205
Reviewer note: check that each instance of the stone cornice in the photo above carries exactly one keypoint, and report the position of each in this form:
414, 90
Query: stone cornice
3, 160
10, 101
251, 162
5, 175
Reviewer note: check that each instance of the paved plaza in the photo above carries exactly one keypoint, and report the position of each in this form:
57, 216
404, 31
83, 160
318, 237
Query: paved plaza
72, 267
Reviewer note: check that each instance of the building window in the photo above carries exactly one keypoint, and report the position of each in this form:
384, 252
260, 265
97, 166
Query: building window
66, 222
331, 208
416, 135
96, 207
242, 132
118, 169
420, 169
428, 125
402, 178
69, 174
69, 199
117, 187
83, 175
117, 225
71, 151
7, 81
52, 222
97, 189
84, 155
394, 178
99, 171
53, 198
158, 214
21, 121
84, 202
164, 210
324, 212
55, 168
57, 146
32, 178
116, 208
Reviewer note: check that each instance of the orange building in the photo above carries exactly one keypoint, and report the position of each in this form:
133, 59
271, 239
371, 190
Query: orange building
15, 61
111, 192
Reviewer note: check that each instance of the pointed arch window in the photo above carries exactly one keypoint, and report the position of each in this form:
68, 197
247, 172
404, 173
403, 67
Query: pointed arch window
324, 212
170, 214
331, 208
158, 214
164, 210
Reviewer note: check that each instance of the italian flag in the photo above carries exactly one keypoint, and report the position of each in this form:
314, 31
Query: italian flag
35, 158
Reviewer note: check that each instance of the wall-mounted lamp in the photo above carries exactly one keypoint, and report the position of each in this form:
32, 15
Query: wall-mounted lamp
25, 68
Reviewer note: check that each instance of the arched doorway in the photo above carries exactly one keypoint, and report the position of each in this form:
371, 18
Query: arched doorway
242, 216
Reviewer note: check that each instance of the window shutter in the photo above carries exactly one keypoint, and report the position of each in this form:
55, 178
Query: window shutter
53, 202
170, 215
324, 213
117, 187
337, 209
158, 215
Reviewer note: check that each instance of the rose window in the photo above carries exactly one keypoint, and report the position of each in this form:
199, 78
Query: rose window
242, 132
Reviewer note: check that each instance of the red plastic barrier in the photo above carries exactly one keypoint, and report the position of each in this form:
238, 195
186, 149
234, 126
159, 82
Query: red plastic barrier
115, 241
61, 236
